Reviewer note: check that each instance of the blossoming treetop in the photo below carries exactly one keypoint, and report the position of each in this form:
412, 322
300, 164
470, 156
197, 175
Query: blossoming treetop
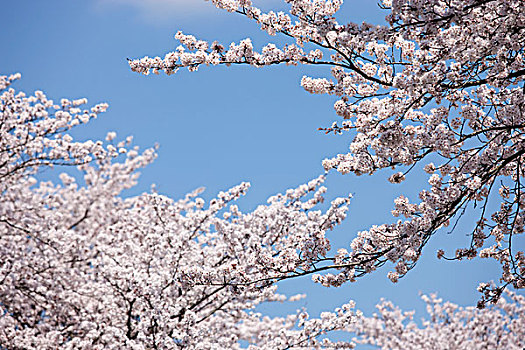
82, 267
441, 87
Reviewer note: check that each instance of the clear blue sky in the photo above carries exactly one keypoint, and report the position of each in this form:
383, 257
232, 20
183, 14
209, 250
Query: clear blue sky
219, 126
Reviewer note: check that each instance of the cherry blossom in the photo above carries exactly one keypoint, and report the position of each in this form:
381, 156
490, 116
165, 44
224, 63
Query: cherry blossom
83, 267
440, 87
449, 326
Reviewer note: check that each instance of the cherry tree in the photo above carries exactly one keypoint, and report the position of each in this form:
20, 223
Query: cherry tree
448, 326
440, 88
84, 267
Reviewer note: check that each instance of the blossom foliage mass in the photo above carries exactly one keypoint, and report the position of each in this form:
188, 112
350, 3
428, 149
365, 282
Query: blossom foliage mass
440, 88
82, 267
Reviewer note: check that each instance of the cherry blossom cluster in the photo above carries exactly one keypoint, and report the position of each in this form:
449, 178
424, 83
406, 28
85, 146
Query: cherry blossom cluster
34, 132
83, 267
448, 326
440, 88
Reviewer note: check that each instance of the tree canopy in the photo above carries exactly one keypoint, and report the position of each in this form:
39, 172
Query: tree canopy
440, 88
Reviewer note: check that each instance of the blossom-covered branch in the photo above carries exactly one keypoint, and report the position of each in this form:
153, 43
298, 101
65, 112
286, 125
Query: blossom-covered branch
441, 87
82, 267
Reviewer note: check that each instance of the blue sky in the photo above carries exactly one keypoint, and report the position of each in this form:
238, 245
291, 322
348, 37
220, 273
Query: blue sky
219, 126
